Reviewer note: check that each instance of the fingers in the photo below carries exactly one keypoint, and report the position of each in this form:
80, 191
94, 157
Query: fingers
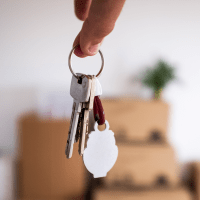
78, 52
89, 42
91, 37
99, 23
82, 8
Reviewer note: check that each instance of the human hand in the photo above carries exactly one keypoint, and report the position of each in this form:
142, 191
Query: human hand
99, 18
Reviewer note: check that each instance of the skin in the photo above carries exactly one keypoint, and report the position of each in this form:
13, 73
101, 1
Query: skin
99, 18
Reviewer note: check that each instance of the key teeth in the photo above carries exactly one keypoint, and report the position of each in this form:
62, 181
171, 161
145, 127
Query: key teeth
68, 156
81, 154
67, 151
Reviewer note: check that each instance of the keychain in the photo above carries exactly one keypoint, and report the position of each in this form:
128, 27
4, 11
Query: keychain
101, 152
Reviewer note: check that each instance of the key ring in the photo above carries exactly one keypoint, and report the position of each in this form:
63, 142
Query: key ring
70, 67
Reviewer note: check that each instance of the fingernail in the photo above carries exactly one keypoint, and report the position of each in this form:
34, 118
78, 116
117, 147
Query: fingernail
94, 49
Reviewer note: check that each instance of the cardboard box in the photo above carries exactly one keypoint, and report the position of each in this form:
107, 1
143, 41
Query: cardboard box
137, 120
192, 178
196, 167
171, 194
144, 166
7, 176
44, 170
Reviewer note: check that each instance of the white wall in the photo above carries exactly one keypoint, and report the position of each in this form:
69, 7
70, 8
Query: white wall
36, 37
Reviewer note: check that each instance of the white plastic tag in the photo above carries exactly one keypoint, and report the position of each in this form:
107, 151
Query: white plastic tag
98, 88
101, 152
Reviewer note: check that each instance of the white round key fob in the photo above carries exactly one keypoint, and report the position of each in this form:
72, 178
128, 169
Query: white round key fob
101, 152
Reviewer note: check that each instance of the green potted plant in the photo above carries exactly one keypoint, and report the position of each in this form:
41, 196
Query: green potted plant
158, 77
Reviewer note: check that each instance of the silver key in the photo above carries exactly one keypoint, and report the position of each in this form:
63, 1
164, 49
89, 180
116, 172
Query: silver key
88, 107
80, 92
83, 132
72, 116
79, 126
72, 131
92, 93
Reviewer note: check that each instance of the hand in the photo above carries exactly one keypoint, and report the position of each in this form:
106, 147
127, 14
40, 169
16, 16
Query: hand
99, 18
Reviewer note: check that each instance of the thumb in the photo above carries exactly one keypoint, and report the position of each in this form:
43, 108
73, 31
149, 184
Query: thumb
78, 52
89, 41
85, 48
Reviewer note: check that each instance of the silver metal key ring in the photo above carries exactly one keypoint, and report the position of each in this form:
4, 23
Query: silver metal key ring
70, 67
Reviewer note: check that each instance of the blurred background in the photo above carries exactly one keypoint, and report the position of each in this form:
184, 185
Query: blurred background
35, 105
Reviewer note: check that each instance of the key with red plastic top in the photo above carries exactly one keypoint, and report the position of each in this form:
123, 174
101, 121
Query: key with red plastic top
98, 111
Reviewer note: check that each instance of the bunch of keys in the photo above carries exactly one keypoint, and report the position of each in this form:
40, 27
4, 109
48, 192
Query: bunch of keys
84, 90
101, 152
